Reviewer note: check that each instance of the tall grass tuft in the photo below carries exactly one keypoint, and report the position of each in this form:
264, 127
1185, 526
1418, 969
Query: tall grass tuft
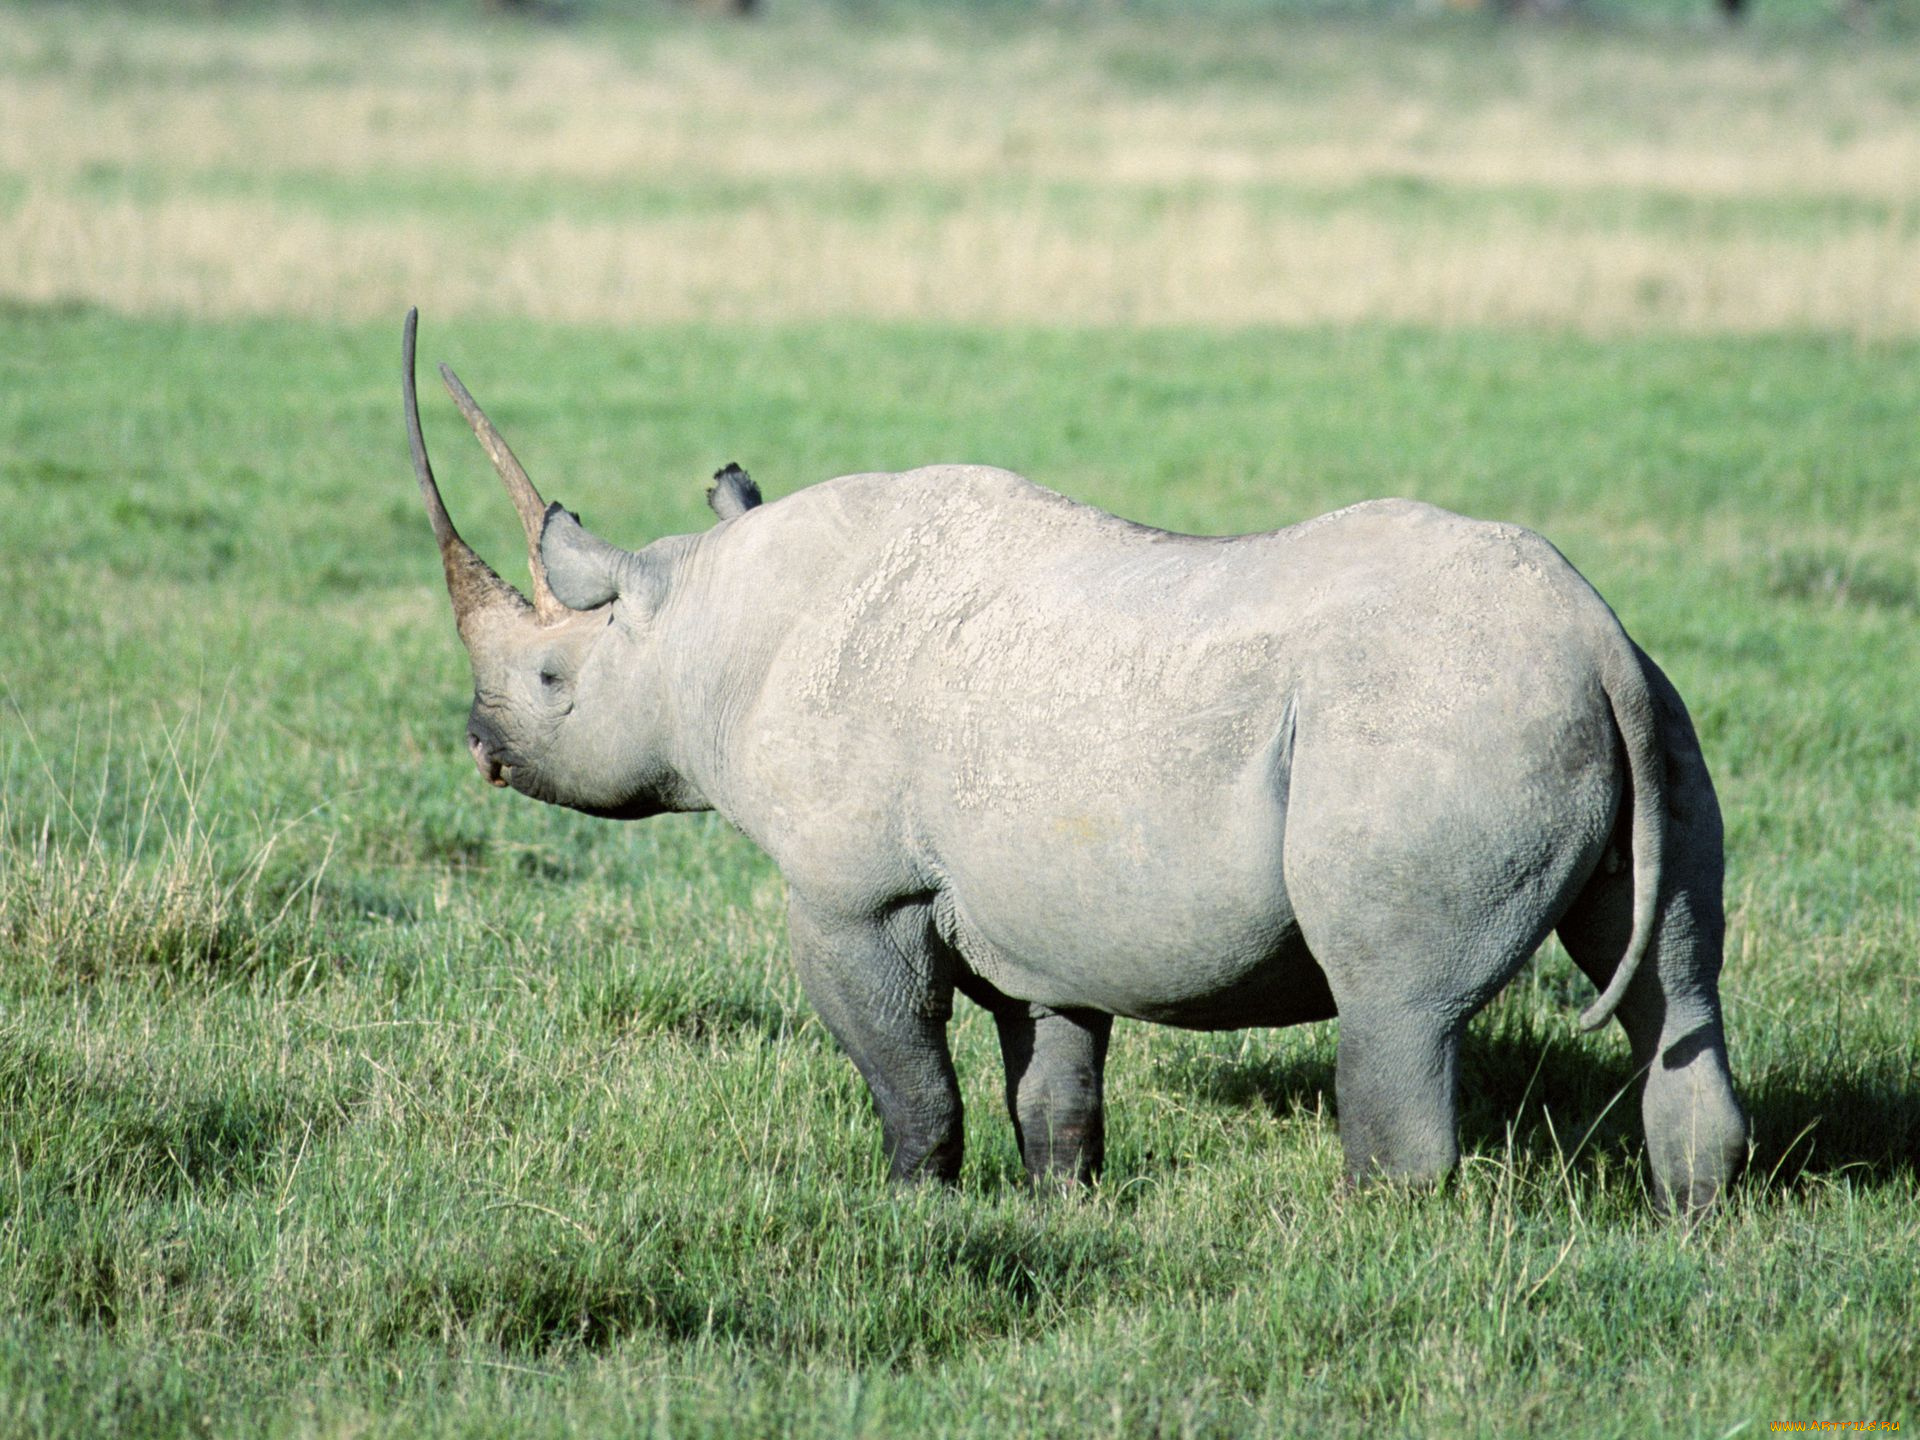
134, 871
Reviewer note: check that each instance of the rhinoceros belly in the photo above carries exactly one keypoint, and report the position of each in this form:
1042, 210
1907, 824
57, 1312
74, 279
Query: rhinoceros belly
1166, 908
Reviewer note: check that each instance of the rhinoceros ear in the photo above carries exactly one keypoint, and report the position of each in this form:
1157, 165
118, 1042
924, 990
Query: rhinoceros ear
583, 571
733, 492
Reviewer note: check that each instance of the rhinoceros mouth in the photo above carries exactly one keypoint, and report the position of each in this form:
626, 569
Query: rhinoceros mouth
491, 769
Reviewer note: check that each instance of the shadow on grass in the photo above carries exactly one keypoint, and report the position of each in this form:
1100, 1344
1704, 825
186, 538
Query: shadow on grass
1861, 1122
779, 1288
709, 1007
535, 1304
92, 1152
207, 1144
352, 900
1283, 1085
99, 1137
1557, 1092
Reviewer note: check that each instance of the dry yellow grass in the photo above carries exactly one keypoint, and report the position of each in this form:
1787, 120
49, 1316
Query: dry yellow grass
800, 170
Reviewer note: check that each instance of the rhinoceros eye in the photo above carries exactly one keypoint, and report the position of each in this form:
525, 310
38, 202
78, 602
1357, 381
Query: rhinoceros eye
549, 679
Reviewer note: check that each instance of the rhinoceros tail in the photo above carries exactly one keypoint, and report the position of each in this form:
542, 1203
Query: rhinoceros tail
1631, 701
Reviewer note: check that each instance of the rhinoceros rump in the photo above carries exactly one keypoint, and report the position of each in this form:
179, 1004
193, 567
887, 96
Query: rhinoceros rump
1072, 767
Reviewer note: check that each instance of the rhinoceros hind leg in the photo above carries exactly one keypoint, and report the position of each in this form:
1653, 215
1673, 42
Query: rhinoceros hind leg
1696, 1130
1056, 1061
1396, 1081
879, 987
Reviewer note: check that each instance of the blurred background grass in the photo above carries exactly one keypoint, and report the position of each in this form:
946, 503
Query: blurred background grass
948, 164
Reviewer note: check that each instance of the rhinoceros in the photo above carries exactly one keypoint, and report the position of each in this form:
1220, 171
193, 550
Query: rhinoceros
1072, 767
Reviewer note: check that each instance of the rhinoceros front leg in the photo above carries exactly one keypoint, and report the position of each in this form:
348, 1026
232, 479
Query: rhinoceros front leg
875, 982
1056, 1063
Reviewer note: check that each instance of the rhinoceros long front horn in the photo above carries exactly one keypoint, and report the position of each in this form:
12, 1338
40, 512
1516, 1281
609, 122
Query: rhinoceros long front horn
472, 583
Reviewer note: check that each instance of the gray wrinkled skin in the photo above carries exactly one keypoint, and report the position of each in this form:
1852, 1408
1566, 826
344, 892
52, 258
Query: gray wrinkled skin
1002, 743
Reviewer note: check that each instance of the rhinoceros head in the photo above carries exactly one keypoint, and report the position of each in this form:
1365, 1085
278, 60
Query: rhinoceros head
567, 690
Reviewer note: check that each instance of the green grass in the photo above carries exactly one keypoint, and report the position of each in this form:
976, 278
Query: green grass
341, 1095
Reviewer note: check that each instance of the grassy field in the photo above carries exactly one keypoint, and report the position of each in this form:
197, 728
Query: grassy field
342, 1096
1102, 169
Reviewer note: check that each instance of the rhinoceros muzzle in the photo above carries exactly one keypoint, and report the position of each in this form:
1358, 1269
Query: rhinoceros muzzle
491, 770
